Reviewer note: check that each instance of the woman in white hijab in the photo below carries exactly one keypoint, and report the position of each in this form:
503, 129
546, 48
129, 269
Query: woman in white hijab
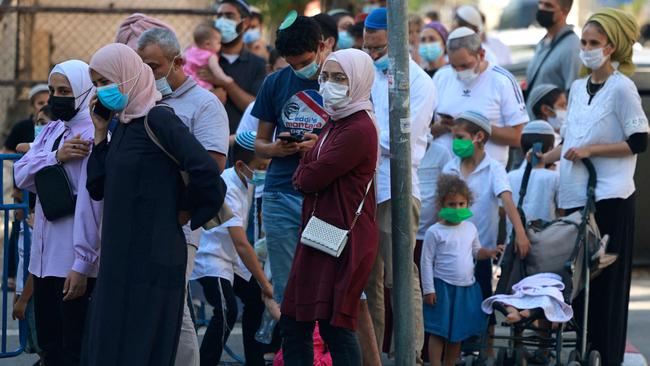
65, 240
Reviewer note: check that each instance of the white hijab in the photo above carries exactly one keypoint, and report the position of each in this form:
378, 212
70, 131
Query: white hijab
79, 78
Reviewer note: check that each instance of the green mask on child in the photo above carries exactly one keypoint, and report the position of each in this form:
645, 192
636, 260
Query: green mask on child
455, 215
463, 148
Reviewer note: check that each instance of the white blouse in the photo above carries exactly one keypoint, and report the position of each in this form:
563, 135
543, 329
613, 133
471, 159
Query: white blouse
615, 113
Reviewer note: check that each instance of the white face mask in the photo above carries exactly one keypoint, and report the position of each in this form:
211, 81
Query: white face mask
335, 96
558, 121
593, 59
466, 76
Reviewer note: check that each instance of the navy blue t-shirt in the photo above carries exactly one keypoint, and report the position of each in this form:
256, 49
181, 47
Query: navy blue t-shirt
294, 106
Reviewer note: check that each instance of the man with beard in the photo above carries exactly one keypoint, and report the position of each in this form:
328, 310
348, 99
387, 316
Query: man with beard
556, 59
246, 69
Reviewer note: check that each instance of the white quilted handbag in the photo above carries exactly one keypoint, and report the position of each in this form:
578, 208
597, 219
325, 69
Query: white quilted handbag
326, 237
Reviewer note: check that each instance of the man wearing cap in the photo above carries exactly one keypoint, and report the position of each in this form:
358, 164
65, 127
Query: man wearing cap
556, 60
206, 118
469, 16
422, 100
471, 80
245, 71
290, 108
23, 132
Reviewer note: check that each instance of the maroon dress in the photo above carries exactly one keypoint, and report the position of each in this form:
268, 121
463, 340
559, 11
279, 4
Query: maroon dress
322, 287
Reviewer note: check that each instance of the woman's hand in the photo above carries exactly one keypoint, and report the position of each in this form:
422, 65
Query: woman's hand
22, 148
578, 153
308, 143
74, 286
430, 299
73, 149
101, 125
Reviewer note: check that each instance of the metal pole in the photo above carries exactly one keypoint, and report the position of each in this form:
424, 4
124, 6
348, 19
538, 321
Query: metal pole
400, 182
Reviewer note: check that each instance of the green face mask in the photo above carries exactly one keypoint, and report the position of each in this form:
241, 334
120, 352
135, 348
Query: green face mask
455, 215
463, 148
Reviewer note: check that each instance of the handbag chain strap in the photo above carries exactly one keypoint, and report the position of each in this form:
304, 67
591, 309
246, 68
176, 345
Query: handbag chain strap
357, 213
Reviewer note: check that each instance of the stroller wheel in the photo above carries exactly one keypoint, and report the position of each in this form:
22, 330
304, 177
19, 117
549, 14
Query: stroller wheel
594, 358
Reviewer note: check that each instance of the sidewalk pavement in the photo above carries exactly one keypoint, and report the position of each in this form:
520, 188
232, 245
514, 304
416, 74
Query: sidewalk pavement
638, 348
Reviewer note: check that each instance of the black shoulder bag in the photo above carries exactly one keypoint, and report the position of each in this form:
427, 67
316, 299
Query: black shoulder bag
54, 190
531, 83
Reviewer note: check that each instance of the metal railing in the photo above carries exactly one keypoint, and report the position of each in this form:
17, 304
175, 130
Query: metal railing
7, 208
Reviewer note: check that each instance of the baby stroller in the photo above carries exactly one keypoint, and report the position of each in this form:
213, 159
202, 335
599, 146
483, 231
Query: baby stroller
571, 247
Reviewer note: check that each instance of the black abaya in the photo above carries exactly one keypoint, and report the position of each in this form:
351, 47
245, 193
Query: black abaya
136, 310
610, 292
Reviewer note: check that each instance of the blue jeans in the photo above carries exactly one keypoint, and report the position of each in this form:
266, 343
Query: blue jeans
282, 218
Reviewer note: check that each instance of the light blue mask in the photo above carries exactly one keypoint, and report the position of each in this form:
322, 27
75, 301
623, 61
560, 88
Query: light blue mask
430, 51
307, 72
37, 130
228, 29
252, 35
163, 86
382, 63
259, 177
112, 98
345, 40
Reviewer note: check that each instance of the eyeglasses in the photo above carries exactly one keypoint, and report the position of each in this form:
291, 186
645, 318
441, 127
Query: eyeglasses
335, 77
371, 50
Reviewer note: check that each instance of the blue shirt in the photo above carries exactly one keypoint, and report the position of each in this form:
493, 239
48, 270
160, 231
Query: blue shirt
293, 105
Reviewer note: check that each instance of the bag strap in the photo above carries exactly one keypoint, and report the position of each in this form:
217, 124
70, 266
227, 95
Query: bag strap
155, 139
55, 147
357, 213
554, 43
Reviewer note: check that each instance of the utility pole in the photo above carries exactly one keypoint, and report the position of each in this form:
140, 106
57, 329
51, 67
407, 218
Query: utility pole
400, 182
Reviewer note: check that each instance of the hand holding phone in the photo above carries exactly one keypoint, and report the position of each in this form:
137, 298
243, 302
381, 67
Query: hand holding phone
291, 138
102, 111
537, 149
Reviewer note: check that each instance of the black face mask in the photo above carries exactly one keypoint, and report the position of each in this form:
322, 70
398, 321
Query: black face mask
545, 18
63, 107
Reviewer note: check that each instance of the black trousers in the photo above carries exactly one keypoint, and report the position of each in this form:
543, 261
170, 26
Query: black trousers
59, 324
609, 295
298, 343
219, 293
250, 294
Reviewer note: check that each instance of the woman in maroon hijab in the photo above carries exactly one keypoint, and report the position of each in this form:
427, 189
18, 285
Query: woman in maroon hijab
335, 176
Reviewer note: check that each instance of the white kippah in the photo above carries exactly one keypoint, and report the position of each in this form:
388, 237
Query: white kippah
471, 15
478, 119
460, 33
538, 127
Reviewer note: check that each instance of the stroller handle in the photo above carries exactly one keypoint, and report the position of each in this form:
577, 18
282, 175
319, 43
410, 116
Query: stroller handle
591, 186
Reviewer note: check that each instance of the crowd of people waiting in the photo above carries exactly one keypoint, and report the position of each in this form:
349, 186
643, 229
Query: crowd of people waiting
154, 165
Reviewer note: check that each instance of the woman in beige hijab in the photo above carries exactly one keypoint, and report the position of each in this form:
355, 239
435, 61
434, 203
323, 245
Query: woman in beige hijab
136, 309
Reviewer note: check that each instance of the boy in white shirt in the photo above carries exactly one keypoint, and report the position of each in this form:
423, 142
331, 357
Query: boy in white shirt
488, 181
217, 260
540, 202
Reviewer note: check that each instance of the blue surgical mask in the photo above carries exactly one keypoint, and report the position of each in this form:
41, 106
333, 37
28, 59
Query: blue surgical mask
345, 40
252, 35
111, 96
163, 85
307, 72
37, 130
259, 177
228, 29
430, 51
382, 63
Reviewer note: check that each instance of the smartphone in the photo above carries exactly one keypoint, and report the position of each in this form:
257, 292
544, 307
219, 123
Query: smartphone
537, 149
102, 111
291, 138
